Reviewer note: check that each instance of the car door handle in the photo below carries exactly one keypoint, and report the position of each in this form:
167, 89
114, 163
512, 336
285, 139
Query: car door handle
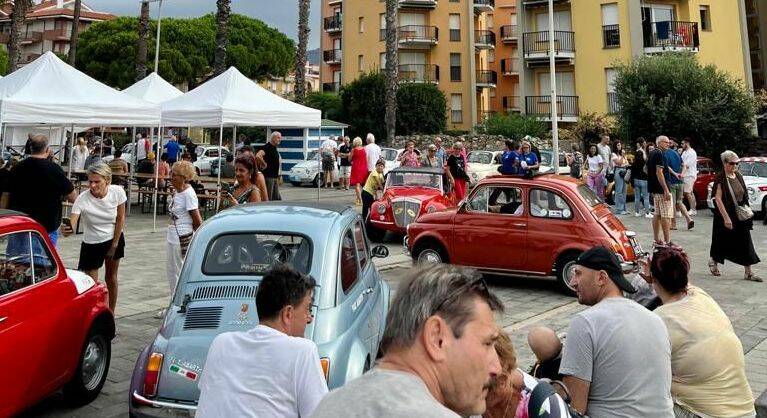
3, 318
519, 224
367, 291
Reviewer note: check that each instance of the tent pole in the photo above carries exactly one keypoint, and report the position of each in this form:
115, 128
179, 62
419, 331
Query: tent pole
234, 140
156, 177
132, 170
72, 135
50, 134
62, 151
5, 131
220, 146
101, 148
319, 164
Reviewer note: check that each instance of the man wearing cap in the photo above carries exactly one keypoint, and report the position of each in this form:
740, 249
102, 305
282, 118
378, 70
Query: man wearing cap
617, 354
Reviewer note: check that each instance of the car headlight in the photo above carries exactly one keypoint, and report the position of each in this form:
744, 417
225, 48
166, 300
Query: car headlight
431, 209
381, 209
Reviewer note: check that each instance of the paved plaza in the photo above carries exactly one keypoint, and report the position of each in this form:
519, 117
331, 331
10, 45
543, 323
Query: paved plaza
529, 302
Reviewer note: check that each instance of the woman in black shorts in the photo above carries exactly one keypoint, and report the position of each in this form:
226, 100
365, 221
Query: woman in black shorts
102, 210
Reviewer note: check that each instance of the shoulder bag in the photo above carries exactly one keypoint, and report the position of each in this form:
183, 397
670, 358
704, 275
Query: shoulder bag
743, 212
183, 240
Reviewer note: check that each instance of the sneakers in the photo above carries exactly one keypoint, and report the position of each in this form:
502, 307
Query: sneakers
637, 214
623, 212
649, 216
692, 212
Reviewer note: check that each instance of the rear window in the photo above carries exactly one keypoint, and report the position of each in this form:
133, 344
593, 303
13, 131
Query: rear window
753, 168
588, 195
256, 253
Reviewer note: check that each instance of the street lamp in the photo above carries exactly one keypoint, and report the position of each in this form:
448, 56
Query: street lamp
553, 81
159, 23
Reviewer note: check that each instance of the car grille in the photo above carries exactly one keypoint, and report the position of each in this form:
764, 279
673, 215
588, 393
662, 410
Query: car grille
224, 292
203, 318
405, 212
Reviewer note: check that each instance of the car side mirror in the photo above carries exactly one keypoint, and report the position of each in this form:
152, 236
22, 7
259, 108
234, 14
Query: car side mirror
380, 251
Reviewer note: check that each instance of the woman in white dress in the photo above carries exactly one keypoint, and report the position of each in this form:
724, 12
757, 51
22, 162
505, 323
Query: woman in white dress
79, 155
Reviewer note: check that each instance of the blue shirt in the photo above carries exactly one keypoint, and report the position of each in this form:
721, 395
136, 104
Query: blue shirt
529, 159
440, 156
674, 163
510, 162
173, 151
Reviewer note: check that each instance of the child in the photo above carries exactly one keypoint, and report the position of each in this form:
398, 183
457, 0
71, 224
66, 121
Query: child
548, 350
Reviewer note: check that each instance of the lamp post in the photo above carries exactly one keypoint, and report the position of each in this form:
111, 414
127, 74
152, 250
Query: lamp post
553, 102
159, 24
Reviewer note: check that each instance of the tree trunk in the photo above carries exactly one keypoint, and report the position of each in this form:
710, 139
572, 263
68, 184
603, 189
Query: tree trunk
222, 35
17, 28
303, 37
75, 36
392, 65
143, 39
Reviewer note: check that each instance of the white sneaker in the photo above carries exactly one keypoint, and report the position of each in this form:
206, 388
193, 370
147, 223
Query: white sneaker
637, 214
692, 212
649, 216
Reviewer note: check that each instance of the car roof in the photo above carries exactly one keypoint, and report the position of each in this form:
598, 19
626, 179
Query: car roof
428, 170
8, 212
547, 179
12, 217
754, 159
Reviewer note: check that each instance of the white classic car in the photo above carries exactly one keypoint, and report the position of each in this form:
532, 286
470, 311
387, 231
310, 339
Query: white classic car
308, 171
754, 171
546, 166
205, 155
482, 164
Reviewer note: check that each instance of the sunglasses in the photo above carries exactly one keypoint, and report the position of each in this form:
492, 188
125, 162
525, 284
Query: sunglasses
477, 284
733, 163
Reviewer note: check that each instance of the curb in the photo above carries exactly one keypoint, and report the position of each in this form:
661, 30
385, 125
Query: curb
761, 405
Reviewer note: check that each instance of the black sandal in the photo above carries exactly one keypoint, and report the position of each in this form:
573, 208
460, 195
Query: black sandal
713, 268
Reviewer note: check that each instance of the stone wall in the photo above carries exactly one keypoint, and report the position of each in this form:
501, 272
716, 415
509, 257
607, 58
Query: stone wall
471, 141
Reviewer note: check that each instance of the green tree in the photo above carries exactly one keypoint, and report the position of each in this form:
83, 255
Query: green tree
3, 61
329, 104
515, 126
363, 104
421, 109
672, 94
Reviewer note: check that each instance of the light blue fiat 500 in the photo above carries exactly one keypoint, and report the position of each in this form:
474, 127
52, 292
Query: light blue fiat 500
216, 293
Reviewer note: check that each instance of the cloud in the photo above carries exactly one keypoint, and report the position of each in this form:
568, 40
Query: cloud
281, 14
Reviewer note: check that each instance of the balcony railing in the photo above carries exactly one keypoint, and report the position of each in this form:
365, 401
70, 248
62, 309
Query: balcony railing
32, 37
611, 36
333, 87
540, 3
484, 5
670, 35
612, 103
59, 34
484, 39
536, 44
333, 24
567, 106
414, 35
510, 103
487, 78
332, 56
418, 73
510, 66
421, 4
509, 33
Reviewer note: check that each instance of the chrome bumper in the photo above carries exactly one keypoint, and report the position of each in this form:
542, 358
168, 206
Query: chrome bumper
161, 404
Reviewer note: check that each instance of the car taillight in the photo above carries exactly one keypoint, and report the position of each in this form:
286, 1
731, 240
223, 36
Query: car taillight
325, 363
763, 188
152, 375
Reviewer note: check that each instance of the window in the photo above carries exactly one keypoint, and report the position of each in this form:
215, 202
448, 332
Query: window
492, 93
455, 27
255, 253
362, 245
490, 55
456, 108
360, 63
489, 22
547, 204
361, 24
500, 200
455, 67
610, 30
348, 262
382, 60
705, 18
21, 267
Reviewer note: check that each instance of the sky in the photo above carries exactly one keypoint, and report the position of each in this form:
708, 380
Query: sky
281, 14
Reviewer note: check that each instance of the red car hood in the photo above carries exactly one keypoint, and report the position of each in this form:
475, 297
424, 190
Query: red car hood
421, 193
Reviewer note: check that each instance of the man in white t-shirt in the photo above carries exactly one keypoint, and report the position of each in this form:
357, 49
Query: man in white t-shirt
604, 151
328, 151
142, 147
689, 174
270, 370
372, 152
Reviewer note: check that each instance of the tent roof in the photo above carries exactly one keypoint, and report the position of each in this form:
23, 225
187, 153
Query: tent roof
233, 99
49, 91
153, 89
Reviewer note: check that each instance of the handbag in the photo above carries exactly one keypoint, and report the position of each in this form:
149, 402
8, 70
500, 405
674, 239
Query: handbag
183, 240
743, 212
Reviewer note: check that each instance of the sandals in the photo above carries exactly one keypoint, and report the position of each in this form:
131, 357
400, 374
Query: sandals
713, 268
753, 278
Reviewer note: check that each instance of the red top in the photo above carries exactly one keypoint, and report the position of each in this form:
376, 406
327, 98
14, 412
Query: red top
359, 166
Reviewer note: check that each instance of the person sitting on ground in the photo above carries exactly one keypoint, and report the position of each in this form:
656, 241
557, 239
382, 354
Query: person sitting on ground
547, 348
238, 381
227, 170
439, 359
707, 365
505, 398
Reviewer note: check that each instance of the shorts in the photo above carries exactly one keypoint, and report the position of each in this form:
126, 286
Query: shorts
92, 256
345, 171
689, 183
328, 164
663, 208
676, 192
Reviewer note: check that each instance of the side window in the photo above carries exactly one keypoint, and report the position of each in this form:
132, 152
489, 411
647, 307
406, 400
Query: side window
478, 202
15, 262
501, 200
547, 204
362, 245
44, 265
348, 262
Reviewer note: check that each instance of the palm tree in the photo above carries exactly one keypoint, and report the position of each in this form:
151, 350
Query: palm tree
392, 64
75, 36
17, 27
303, 37
143, 38
222, 35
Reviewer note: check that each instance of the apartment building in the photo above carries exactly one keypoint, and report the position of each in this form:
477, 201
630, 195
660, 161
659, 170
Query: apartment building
48, 26
285, 86
446, 42
756, 25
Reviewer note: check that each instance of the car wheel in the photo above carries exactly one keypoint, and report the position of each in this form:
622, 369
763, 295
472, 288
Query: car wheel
764, 209
316, 181
565, 271
431, 253
92, 369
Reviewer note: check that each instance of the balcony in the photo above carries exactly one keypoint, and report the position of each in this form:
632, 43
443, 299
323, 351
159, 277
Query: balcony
60, 34
509, 34
510, 104
334, 2
611, 36
333, 24
484, 39
531, 4
670, 36
332, 56
416, 36
333, 87
418, 73
612, 103
418, 4
540, 106
486, 79
510, 66
484, 6
31, 37
535, 47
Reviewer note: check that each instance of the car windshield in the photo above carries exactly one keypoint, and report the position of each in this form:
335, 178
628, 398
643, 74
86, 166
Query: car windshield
480, 157
414, 179
389, 154
546, 158
312, 155
255, 253
588, 195
753, 168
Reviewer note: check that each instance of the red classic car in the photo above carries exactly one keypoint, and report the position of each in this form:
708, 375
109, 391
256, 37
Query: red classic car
528, 227
409, 192
706, 174
55, 325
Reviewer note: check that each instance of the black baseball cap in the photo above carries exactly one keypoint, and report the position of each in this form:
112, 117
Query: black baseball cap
600, 258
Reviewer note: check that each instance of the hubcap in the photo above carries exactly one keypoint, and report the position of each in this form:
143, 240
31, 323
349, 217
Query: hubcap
429, 256
94, 362
569, 273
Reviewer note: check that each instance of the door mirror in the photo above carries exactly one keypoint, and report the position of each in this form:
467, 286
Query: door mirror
380, 251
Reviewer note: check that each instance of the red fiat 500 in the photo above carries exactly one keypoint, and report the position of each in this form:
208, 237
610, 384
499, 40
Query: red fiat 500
527, 227
706, 174
409, 192
55, 325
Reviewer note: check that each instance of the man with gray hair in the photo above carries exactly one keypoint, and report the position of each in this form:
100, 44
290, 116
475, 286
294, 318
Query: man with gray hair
372, 152
271, 156
439, 357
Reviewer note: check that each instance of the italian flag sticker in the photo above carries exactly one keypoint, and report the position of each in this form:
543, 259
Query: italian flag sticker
174, 368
